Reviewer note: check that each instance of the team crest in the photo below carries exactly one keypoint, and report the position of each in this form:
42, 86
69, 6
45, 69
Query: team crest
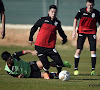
55, 23
93, 15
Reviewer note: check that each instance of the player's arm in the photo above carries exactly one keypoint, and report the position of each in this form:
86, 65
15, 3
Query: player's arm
30, 51
13, 74
3, 25
16, 75
33, 30
21, 53
18, 54
99, 34
62, 34
78, 15
74, 28
2, 19
99, 27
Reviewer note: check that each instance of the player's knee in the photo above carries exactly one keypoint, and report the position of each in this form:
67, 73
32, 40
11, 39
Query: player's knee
78, 51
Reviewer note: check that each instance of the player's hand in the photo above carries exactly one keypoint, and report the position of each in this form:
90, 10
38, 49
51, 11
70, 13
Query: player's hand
64, 40
21, 76
34, 52
74, 35
31, 42
3, 34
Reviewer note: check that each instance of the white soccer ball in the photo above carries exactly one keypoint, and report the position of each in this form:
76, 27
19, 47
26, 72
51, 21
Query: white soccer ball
64, 75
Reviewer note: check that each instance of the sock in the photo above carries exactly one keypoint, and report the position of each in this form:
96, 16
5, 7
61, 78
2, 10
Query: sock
59, 69
76, 60
76, 63
93, 60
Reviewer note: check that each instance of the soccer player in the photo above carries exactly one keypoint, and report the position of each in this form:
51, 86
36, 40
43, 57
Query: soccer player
16, 67
2, 19
87, 28
46, 38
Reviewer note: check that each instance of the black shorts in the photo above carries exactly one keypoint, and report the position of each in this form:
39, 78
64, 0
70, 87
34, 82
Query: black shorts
91, 39
35, 71
52, 53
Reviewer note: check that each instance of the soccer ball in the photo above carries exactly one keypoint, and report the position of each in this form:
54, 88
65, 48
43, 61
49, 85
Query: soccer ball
64, 75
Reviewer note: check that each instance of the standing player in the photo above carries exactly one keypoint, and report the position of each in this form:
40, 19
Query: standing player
87, 28
46, 39
2, 18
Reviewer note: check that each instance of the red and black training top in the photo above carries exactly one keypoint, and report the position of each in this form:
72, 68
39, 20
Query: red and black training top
2, 9
47, 34
88, 21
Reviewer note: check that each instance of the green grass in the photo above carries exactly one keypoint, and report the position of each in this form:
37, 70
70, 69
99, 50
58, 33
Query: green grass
82, 82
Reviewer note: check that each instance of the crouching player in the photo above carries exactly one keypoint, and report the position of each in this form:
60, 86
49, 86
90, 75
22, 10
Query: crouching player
16, 67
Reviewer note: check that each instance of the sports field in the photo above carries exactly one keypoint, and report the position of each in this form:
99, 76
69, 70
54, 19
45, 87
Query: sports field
17, 40
82, 82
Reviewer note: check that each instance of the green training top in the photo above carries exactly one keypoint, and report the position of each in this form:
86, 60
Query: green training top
21, 67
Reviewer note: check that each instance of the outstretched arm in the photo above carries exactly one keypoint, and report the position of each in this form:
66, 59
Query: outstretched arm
20, 53
30, 51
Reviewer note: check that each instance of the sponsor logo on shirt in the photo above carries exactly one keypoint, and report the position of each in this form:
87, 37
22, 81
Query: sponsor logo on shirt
85, 14
46, 21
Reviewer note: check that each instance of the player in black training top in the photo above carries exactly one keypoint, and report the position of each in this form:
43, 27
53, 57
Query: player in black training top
87, 28
46, 38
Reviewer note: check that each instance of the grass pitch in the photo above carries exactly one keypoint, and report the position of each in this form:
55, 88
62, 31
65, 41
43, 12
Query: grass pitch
82, 82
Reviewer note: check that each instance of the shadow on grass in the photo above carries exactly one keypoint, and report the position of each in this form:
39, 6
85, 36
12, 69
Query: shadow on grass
83, 79
85, 75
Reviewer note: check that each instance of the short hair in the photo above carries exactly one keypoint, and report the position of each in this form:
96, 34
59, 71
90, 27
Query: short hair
91, 1
52, 6
5, 55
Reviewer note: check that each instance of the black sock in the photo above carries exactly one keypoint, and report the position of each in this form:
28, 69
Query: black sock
59, 69
93, 61
76, 63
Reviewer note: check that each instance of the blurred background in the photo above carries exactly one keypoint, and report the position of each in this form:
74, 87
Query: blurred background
21, 15
29, 11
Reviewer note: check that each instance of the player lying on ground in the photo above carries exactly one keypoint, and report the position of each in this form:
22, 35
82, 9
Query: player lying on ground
16, 67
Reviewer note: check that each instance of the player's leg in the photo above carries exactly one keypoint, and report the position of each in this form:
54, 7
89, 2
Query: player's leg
65, 64
39, 64
80, 43
92, 42
43, 58
54, 55
36, 66
76, 58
